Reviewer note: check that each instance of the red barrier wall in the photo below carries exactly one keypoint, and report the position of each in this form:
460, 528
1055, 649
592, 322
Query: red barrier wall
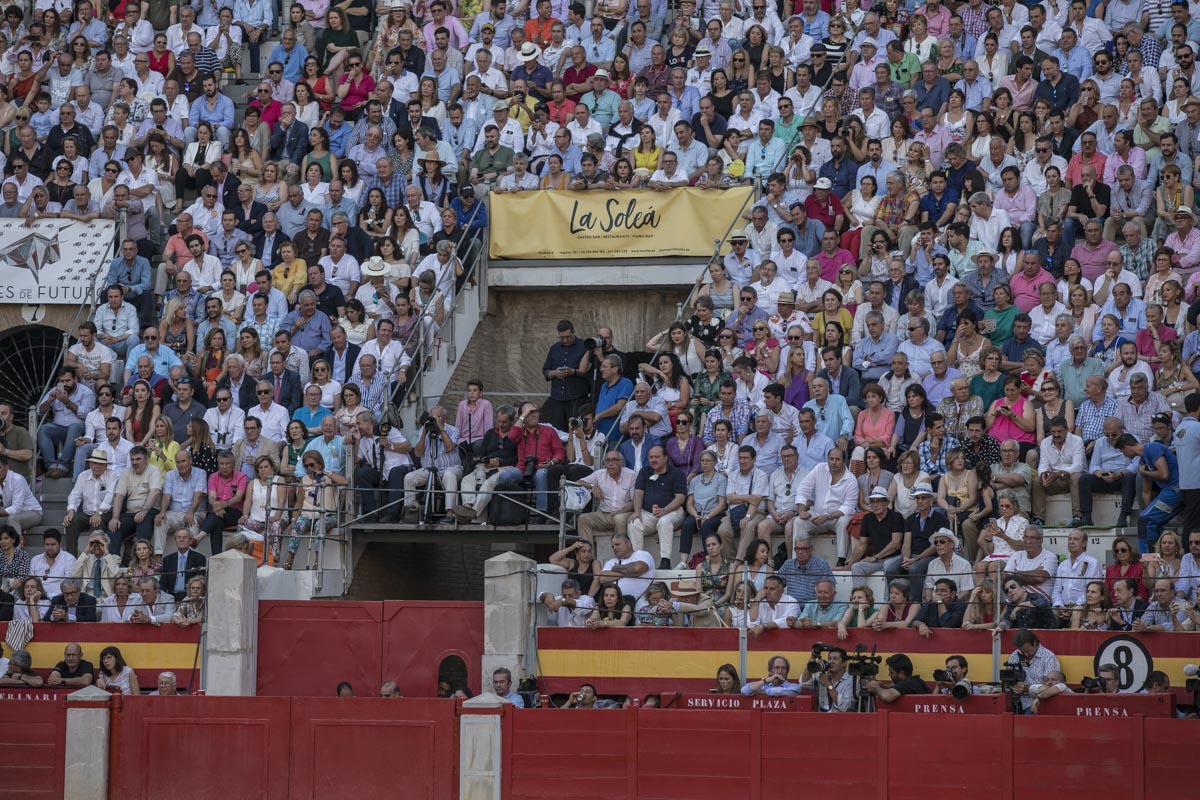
197, 748
364, 643
714, 755
31, 739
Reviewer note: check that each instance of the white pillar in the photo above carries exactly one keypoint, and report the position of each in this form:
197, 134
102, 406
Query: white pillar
85, 767
507, 595
480, 753
231, 643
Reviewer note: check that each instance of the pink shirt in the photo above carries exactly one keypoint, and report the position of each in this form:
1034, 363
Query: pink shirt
1092, 261
1025, 290
473, 425
939, 23
1136, 160
1022, 97
222, 490
358, 93
1187, 251
1021, 207
830, 264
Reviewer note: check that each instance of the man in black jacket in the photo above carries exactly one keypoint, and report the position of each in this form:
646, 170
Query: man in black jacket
342, 355
499, 461
181, 566
917, 550
73, 605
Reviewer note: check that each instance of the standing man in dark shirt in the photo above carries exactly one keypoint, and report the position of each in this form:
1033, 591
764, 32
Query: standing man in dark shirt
564, 368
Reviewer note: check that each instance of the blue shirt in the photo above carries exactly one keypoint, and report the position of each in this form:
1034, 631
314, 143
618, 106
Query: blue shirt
842, 175
309, 418
163, 360
609, 395
814, 451
834, 419
879, 352
333, 452
338, 139
935, 97
1151, 453
135, 275
313, 334
219, 116
1187, 448
801, 582
292, 60
182, 491
1132, 320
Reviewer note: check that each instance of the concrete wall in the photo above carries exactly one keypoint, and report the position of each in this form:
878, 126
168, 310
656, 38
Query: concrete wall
511, 342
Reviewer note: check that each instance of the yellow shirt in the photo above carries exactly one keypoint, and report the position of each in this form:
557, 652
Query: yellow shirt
166, 460
644, 160
295, 278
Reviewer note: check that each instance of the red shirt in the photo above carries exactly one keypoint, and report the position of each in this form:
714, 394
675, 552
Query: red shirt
269, 113
572, 75
543, 444
562, 114
826, 212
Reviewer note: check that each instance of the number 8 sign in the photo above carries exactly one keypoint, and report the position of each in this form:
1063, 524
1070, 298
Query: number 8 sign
1131, 658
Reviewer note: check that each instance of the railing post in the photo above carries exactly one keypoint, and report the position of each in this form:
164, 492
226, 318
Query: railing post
85, 766
232, 640
507, 612
481, 747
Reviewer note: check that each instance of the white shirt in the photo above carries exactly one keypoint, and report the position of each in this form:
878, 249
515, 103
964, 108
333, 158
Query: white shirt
575, 617
52, 575
614, 494
1068, 459
786, 607
16, 496
783, 490
1043, 324
1126, 277
207, 274
634, 587
939, 295
92, 360
876, 123
1022, 562
118, 455
768, 295
785, 422
987, 231
754, 394
1035, 173
818, 491
228, 428
387, 360
343, 273
1118, 379
755, 484
91, 495
274, 421
109, 612
1070, 586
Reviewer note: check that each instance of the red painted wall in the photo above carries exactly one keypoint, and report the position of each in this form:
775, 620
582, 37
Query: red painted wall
198, 748
714, 755
31, 739
305, 648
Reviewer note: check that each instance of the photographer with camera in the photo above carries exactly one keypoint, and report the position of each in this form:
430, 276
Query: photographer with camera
1030, 665
829, 679
901, 678
1025, 608
776, 684
499, 463
538, 449
437, 449
953, 679
584, 451
383, 460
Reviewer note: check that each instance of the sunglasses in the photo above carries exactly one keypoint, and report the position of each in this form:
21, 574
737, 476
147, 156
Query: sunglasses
150, 339
224, 399
261, 392
683, 422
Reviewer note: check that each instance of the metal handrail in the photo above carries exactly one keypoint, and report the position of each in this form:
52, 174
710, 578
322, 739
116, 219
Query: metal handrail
85, 311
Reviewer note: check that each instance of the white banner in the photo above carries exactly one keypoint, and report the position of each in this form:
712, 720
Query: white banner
53, 262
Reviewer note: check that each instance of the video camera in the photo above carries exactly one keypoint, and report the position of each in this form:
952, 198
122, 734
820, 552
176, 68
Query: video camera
860, 664
1011, 674
816, 664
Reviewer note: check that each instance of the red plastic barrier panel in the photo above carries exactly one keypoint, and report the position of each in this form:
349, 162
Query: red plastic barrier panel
551, 755
31, 738
373, 749
1108, 705
846, 751
198, 748
971, 760
738, 702
334, 641
418, 636
1168, 774
1056, 758
948, 704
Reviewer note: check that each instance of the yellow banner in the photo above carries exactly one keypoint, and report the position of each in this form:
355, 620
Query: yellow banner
618, 224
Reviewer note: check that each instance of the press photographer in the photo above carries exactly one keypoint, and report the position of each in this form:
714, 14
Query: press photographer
437, 449
901, 678
826, 674
584, 451
953, 679
1035, 664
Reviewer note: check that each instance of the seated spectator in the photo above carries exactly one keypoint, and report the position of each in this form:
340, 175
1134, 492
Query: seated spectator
917, 550
775, 608
1127, 608
823, 612
18, 671
191, 610
157, 606
114, 674
96, 566
948, 564
120, 605
898, 612
942, 611
776, 683
1092, 613
1025, 608
72, 605
73, 670
612, 610
660, 492
572, 607
706, 505
826, 500
745, 497
181, 564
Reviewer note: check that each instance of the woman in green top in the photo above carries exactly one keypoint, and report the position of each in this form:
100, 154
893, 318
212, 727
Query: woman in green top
988, 385
707, 384
861, 609
337, 40
998, 322
320, 154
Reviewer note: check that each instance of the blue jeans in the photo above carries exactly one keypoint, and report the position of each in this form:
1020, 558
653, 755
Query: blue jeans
51, 436
1154, 518
541, 482
1027, 231
81, 457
